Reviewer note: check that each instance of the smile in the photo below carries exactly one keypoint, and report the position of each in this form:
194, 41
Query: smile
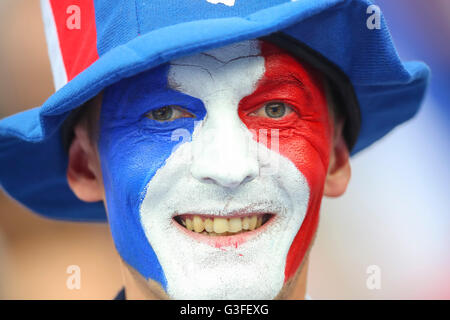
210, 225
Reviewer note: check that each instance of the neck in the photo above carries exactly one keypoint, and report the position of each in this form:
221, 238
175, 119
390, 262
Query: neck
137, 288
295, 288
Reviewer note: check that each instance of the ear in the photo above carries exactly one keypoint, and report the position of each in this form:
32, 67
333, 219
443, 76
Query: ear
339, 171
83, 172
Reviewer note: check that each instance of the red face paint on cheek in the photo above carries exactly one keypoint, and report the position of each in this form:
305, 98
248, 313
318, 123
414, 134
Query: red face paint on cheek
304, 134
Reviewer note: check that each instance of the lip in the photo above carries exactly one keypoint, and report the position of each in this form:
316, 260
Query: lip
229, 240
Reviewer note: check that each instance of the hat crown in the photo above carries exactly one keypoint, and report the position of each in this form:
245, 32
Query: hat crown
78, 32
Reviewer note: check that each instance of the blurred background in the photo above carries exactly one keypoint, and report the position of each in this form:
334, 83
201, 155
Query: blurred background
395, 214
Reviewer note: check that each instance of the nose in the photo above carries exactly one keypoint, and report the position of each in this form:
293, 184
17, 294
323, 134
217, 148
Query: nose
223, 153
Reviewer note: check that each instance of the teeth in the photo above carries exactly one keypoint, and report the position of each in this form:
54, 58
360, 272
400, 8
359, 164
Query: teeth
246, 223
252, 223
259, 222
209, 225
222, 226
198, 224
235, 225
189, 224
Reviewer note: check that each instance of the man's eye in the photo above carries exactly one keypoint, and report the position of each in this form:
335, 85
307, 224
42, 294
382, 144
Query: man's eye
273, 110
169, 113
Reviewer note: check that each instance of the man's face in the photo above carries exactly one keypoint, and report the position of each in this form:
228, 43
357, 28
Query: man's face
213, 167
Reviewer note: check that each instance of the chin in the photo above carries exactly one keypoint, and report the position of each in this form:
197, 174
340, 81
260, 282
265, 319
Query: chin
217, 243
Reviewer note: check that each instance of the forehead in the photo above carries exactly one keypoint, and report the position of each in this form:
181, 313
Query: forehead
236, 68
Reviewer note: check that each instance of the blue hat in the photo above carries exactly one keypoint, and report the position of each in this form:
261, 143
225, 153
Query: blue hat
94, 44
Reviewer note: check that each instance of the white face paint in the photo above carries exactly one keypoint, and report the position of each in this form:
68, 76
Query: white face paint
217, 174
229, 3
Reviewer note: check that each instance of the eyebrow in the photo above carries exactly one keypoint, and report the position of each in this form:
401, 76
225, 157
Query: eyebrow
287, 78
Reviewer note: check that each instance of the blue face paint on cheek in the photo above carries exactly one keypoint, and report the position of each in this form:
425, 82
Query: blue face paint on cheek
132, 148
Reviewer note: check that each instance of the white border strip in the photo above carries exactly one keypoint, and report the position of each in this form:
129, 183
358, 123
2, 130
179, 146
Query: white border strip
54, 49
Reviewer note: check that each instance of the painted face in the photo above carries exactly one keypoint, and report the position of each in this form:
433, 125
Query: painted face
214, 167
